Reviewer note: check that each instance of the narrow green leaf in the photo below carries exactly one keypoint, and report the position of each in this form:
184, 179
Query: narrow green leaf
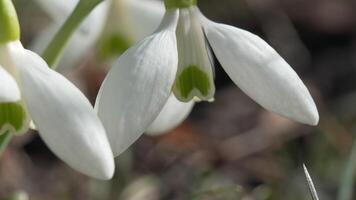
310, 184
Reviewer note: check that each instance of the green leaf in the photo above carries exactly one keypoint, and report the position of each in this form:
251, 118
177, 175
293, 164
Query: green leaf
13, 118
312, 189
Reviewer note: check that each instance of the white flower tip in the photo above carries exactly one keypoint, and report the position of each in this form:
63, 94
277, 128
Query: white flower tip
105, 170
67, 122
314, 118
309, 114
94, 163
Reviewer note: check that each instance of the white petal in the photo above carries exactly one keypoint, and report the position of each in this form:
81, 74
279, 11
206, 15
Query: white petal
172, 114
9, 91
261, 72
139, 18
137, 87
64, 117
82, 40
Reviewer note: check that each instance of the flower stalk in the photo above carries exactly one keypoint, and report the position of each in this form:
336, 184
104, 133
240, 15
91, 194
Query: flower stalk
10, 29
5, 139
55, 48
171, 4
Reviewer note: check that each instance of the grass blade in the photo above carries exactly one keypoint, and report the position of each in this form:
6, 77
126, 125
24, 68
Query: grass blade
310, 184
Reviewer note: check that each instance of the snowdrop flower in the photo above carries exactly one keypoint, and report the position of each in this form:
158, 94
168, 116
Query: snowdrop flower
176, 58
63, 116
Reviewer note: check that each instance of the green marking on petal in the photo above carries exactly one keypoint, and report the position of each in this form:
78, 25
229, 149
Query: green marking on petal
12, 118
189, 79
9, 24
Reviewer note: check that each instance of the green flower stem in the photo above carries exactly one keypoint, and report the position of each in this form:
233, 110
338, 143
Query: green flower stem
4, 141
55, 49
9, 24
172, 4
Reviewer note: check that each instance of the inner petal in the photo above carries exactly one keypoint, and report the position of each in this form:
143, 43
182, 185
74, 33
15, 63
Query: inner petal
13, 116
195, 77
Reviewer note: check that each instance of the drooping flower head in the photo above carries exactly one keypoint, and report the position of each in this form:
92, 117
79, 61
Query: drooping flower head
177, 59
64, 117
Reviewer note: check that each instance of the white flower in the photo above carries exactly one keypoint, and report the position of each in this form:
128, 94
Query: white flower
176, 58
131, 19
63, 116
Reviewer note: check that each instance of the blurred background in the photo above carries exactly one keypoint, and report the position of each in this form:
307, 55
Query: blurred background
231, 148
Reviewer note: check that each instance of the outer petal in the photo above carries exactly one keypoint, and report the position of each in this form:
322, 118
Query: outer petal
9, 92
261, 72
82, 40
172, 114
64, 117
137, 87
